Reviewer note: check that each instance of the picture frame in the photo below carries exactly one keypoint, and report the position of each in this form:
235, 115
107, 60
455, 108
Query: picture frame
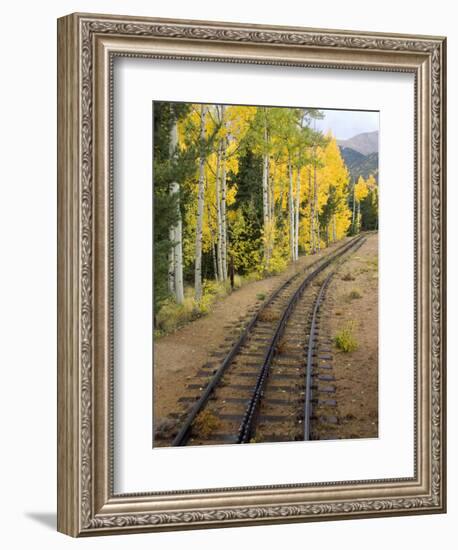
87, 46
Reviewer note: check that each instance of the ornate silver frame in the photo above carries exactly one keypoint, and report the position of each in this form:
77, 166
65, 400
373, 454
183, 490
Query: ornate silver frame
87, 44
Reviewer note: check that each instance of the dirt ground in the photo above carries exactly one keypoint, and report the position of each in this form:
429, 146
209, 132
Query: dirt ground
353, 297
178, 356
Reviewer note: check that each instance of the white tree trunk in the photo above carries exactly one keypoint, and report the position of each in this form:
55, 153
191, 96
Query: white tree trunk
223, 199
354, 209
315, 241
265, 192
175, 233
296, 223
271, 184
310, 193
358, 218
200, 208
292, 231
178, 249
219, 254
171, 267
213, 245
223, 217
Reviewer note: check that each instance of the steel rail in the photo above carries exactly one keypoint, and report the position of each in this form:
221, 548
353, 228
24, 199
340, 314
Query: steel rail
309, 364
184, 433
248, 421
311, 348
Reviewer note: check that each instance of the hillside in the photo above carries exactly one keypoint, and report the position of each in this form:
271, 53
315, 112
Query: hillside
359, 164
365, 143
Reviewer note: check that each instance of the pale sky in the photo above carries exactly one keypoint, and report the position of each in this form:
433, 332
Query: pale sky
346, 124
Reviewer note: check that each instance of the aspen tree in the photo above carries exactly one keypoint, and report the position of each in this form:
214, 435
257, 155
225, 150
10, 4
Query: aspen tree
224, 219
257, 185
314, 203
360, 192
265, 190
296, 223
213, 246
223, 195
353, 208
218, 210
200, 207
171, 267
291, 208
175, 232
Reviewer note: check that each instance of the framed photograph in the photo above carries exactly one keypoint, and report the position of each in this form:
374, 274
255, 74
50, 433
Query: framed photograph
251, 289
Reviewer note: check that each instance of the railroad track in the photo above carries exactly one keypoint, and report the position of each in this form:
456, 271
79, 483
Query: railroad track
262, 390
299, 391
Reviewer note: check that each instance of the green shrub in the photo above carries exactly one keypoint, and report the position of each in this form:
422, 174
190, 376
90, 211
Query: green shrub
345, 339
354, 294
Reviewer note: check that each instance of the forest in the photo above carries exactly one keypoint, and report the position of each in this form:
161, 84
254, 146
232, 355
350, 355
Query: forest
240, 193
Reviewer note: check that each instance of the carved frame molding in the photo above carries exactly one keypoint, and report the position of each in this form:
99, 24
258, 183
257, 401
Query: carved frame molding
87, 46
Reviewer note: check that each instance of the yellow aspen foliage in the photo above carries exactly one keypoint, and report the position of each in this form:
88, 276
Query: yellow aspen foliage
273, 188
332, 204
361, 189
371, 183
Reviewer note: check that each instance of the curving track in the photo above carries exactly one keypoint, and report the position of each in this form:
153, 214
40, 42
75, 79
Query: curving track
262, 390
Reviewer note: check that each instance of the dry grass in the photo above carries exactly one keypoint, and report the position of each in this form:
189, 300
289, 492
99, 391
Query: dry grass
372, 263
206, 423
319, 281
348, 276
282, 346
165, 428
269, 315
172, 316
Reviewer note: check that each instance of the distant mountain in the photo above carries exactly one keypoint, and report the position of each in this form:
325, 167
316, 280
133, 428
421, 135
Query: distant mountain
365, 143
359, 164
